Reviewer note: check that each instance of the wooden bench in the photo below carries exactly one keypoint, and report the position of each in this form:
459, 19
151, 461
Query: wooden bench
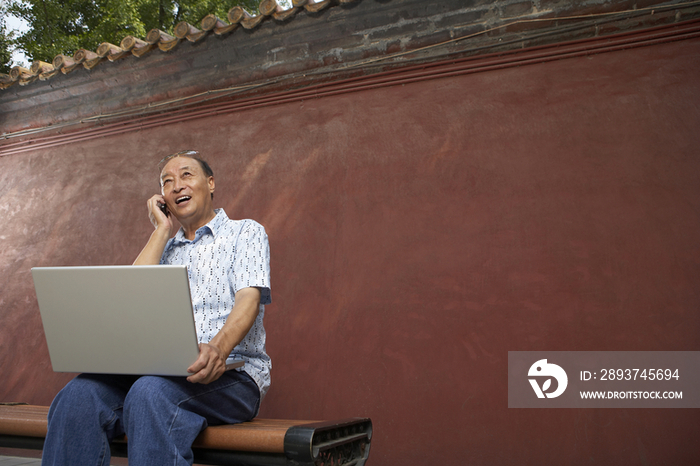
257, 442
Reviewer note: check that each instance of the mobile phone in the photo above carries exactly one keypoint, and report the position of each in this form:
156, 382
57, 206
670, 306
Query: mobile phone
164, 209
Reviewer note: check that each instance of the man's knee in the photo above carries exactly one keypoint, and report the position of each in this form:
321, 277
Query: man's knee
148, 393
84, 398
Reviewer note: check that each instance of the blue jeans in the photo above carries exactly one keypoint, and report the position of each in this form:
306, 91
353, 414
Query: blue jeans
161, 417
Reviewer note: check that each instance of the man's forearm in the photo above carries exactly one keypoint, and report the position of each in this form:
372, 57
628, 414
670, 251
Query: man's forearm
152, 252
240, 320
211, 363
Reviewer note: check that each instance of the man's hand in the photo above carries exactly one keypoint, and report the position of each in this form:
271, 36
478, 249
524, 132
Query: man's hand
156, 215
209, 366
150, 254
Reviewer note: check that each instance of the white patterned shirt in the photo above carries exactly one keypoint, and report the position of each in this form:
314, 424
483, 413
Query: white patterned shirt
224, 257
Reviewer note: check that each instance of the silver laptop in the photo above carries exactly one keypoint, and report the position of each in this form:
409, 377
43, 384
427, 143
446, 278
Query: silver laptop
118, 319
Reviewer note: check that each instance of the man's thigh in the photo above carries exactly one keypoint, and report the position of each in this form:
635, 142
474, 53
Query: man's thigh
95, 396
233, 398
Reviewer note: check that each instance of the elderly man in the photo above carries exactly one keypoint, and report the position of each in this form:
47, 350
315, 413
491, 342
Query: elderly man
229, 274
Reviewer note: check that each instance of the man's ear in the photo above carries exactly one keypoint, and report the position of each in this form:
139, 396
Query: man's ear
212, 184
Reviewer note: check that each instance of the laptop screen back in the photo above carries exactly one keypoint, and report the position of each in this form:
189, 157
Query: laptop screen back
117, 319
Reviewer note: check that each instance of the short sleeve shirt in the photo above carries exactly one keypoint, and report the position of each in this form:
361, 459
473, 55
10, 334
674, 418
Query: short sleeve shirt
224, 257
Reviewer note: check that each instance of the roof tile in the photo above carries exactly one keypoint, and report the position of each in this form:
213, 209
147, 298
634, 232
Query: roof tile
40, 67
268, 7
64, 61
211, 22
87, 58
315, 7
284, 15
237, 14
184, 30
110, 51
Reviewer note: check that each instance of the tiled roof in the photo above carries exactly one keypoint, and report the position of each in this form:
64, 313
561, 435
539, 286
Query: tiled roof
160, 40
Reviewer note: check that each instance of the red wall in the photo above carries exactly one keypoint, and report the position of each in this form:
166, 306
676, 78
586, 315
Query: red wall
419, 233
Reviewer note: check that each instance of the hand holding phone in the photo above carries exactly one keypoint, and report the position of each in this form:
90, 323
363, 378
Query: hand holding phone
164, 209
156, 202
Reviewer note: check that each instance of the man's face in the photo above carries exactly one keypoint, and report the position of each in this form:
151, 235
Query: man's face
186, 189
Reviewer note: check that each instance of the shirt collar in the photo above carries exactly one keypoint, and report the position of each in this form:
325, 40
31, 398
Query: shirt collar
213, 227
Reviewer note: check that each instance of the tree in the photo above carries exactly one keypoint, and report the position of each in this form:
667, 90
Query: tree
63, 26
5, 51
6, 45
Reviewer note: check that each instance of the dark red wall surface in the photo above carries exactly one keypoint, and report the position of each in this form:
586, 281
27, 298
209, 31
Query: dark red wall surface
419, 233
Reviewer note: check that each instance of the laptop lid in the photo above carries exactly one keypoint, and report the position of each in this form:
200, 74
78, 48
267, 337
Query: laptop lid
117, 319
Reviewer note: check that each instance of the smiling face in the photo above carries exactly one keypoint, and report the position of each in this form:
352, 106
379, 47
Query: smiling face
187, 192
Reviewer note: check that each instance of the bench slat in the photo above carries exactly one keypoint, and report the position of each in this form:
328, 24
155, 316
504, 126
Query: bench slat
264, 435
24, 420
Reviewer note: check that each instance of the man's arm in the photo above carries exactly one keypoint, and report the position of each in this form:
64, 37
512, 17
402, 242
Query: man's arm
211, 363
151, 253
